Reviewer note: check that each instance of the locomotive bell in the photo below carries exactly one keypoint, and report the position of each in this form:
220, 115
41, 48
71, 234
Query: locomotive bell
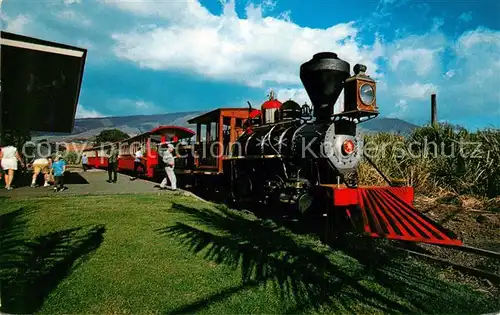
323, 78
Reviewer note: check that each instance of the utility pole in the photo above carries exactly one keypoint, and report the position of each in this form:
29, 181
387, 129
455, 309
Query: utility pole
433, 110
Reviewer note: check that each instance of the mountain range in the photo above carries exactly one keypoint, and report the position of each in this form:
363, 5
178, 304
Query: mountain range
85, 128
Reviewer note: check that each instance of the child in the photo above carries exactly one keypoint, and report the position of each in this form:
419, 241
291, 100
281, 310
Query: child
50, 173
59, 167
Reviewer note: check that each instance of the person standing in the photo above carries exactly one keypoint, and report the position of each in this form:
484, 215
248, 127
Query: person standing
9, 157
137, 163
112, 164
169, 160
50, 172
59, 167
1, 168
41, 163
85, 162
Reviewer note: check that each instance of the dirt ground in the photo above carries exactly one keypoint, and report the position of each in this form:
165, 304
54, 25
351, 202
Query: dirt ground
476, 222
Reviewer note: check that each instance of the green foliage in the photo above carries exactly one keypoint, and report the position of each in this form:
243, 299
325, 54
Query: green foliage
14, 138
439, 156
110, 135
72, 157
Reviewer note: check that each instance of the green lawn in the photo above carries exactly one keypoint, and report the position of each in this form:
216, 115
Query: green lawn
174, 254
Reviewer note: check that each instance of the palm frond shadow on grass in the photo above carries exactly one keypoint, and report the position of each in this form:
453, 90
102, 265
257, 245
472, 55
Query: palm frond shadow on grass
300, 272
31, 269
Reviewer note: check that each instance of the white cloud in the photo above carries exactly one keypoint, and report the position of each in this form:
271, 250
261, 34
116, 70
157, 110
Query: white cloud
474, 39
421, 58
477, 78
84, 43
144, 105
285, 16
17, 24
74, 17
401, 106
251, 51
82, 112
463, 80
69, 2
437, 23
300, 96
417, 91
417, 54
133, 107
449, 74
466, 16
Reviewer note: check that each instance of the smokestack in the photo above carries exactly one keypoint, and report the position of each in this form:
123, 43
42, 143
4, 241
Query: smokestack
323, 78
433, 110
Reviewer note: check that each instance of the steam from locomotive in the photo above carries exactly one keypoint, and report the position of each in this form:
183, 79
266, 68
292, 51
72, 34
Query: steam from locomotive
287, 152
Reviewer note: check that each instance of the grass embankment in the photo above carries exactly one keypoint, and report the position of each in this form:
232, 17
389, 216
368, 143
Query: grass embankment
439, 158
174, 254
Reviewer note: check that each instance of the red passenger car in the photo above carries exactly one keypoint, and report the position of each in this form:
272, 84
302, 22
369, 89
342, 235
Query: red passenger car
149, 142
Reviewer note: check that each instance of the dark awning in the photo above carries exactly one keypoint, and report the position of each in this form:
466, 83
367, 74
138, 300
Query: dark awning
40, 84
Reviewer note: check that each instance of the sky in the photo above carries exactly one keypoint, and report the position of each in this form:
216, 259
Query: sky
164, 56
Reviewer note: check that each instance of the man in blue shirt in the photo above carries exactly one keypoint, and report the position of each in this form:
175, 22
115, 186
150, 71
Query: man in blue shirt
59, 167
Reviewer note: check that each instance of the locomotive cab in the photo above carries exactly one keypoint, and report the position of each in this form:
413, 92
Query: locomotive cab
221, 129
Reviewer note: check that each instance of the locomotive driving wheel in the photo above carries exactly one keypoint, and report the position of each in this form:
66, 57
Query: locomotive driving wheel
241, 190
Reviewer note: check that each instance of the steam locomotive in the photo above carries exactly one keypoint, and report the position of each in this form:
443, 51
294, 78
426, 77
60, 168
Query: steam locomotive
293, 151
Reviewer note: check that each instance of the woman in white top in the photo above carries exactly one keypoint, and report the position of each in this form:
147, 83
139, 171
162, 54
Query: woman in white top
137, 163
9, 157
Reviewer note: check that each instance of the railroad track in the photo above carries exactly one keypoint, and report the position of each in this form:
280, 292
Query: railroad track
479, 251
493, 277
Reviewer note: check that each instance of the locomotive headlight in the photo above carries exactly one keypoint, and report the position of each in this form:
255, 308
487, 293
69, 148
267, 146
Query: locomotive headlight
367, 94
348, 147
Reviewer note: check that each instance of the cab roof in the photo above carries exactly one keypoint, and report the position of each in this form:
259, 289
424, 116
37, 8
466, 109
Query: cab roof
214, 115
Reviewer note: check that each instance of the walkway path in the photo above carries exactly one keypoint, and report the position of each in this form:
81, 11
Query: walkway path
92, 182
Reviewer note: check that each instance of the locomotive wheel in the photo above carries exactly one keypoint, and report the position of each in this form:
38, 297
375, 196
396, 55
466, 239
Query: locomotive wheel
241, 190
304, 202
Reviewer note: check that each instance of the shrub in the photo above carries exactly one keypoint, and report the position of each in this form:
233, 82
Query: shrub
72, 157
443, 156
